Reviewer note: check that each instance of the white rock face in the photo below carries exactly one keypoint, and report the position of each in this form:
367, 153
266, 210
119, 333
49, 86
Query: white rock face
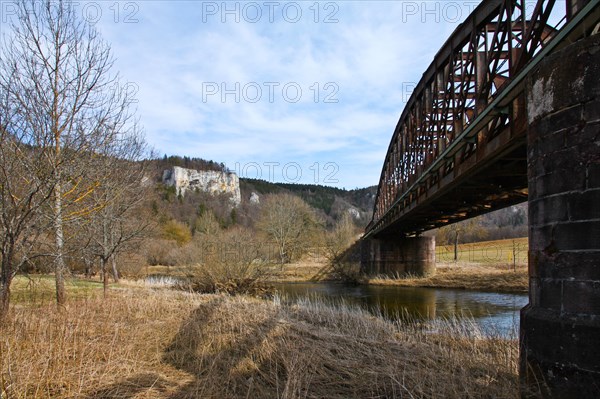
254, 198
355, 213
210, 181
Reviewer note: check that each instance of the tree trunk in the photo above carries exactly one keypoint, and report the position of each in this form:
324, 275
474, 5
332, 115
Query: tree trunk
282, 253
103, 262
115, 272
88, 267
113, 257
456, 247
5, 280
5, 291
60, 268
4, 300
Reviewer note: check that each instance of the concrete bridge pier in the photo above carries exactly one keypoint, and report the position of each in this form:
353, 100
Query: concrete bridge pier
397, 256
560, 328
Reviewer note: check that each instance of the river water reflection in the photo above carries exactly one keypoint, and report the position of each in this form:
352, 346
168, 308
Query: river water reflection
495, 312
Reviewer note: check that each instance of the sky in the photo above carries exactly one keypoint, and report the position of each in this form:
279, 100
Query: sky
286, 91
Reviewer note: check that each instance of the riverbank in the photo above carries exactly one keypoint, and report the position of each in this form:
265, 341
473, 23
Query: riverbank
148, 342
460, 275
466, 276
497, 266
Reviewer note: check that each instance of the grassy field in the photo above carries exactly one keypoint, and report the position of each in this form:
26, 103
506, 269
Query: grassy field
144, 342
40, 289
501, 252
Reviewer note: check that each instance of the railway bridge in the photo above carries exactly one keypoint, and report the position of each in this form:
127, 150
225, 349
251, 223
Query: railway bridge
509, 111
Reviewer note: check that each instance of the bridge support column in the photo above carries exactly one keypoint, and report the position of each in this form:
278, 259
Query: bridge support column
397, 256
560, 328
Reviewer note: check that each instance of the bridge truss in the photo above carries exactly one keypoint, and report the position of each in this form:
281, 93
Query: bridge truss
459, 148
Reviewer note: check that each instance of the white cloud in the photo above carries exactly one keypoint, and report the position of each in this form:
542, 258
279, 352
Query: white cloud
370, 56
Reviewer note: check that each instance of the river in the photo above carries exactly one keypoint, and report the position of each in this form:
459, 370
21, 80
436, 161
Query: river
493, 312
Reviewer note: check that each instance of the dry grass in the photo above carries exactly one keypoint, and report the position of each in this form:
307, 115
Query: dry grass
499, 252
466, 276
312, 266
144, 343
48, 352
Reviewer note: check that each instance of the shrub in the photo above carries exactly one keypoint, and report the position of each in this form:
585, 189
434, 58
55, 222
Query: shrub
342, 250
230, 261
177, 231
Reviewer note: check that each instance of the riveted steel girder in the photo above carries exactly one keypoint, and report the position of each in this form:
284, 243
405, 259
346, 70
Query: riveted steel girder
465, 121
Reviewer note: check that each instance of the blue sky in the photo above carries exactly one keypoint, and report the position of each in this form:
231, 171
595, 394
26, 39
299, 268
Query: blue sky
300, 91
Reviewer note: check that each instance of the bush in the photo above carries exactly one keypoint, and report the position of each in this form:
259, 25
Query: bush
229, 262
342, 250
177, 231
159, 252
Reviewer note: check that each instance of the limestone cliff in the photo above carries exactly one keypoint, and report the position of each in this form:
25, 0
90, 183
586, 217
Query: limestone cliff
207, 181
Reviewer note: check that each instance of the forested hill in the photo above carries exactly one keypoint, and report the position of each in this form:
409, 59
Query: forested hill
331, 200
331, 203
318, 196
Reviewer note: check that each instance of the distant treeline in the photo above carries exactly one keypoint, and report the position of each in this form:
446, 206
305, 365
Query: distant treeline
167, 162
332, 201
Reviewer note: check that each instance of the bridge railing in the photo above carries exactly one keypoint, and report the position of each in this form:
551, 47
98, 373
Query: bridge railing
471, 70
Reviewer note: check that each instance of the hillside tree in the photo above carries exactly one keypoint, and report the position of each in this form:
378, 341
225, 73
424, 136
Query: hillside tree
338, 247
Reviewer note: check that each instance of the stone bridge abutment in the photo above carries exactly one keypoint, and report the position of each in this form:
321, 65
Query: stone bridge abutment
398, 256
560, 328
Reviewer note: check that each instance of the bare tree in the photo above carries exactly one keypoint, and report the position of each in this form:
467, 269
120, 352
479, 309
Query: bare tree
56, 69
289, 222
343, 235
25, 187
207, 224
339, 248
122, 189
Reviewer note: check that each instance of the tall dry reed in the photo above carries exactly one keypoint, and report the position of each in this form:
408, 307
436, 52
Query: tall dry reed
142, 343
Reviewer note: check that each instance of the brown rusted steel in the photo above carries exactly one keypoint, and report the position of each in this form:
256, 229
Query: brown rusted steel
475, 65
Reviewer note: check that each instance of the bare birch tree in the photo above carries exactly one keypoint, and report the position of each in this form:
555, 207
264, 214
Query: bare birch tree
57, 71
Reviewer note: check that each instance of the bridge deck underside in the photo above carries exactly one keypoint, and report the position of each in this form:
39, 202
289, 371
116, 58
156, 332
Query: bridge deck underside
491, 179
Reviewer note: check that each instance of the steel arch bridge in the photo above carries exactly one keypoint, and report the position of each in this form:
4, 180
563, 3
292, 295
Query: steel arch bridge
508, 111
459, 148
